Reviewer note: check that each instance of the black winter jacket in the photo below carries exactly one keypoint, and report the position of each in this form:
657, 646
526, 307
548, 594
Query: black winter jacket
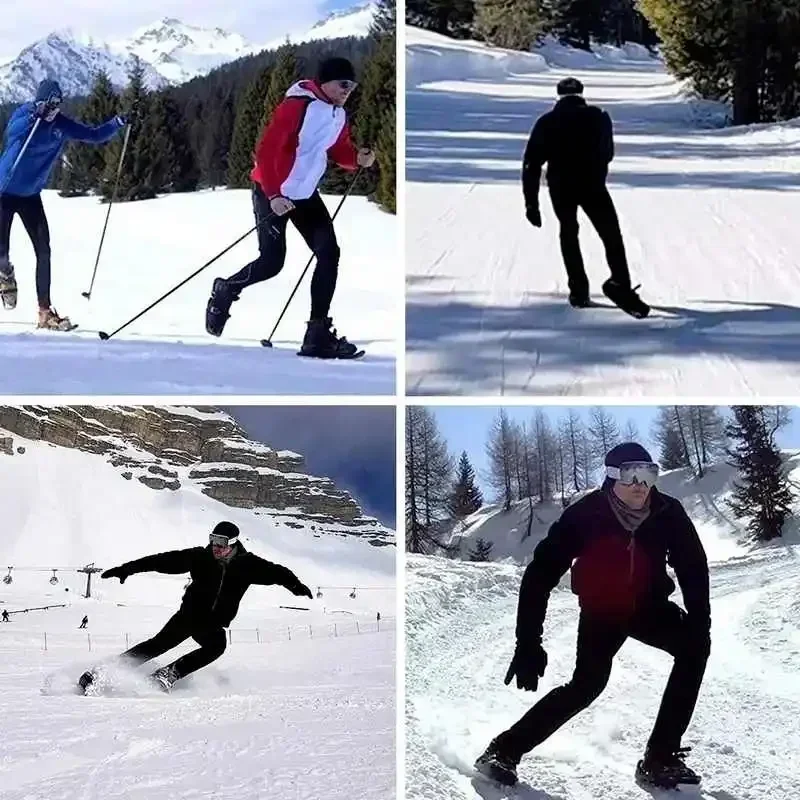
615, 572
575, 140
217, 587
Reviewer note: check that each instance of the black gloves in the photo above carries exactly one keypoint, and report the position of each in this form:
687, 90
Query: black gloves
528, 665
534, 216
43, 109
301, 590
116, 572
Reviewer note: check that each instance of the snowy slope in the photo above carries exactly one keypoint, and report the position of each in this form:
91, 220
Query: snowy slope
707, 214
301, 705
153, 245
355, 21
460, 622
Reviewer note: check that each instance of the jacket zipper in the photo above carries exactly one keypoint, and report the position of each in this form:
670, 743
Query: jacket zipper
219, 590
631, 547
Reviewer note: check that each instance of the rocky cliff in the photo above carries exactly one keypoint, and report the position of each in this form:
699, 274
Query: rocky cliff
169, 448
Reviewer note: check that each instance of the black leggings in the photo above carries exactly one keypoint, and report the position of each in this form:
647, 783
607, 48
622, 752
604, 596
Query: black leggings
31, 212
664, 627
178, 629
313, 222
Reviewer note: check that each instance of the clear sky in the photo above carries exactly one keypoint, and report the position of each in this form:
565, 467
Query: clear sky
466, 428
23, 23
352, 445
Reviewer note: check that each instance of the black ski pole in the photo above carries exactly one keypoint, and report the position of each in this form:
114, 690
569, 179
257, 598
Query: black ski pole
88, 294
268, 341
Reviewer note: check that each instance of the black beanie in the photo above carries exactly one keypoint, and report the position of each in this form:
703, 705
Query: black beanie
335, 69
626, 452
226, 529
569, 86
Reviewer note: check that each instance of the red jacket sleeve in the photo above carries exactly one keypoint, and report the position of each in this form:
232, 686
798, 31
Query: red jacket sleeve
277, 149
343, 151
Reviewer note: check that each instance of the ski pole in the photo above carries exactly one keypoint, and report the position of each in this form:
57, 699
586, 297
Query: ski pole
268, 341
21, 154
88, 294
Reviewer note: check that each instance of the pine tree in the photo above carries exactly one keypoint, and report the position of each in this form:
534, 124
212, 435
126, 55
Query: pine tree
385, 19
762, 493
482, 550
247, 130
287, 71
603, 431
500, 450
577, 22
448, 17
386, 192
672, 454
183, 173
513, 24
465, 497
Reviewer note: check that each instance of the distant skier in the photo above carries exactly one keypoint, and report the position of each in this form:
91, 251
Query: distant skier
620, 539
5, 616
308, 127
84, 622
21, 187
221, 573
576, 141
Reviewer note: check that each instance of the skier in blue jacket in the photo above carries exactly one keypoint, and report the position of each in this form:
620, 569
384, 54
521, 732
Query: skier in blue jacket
23, 176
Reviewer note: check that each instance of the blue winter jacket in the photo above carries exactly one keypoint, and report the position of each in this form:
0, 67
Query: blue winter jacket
33, 171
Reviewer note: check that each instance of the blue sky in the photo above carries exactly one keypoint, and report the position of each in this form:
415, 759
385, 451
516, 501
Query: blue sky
466, 428
353, 445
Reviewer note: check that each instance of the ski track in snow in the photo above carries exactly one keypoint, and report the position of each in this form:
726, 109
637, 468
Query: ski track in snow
745, 732
153, 245
708, 218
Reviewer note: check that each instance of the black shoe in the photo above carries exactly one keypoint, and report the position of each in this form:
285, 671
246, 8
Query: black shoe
219, 305
498, 766
165, 677
321, 341
86, 680
580, 301
666, 770
626, 298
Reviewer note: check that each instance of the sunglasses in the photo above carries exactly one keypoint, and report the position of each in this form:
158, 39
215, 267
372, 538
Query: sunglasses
642, 472
347, 86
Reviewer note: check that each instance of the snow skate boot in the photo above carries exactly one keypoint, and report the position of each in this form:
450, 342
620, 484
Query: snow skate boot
321, 341
86, 680
51, 321
219, 304
626, 298
165, 677
8, 285
666, 770
580, 301
497, 766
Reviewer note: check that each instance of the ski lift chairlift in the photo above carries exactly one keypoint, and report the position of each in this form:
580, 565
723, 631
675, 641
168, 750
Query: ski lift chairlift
54, 579
7, 578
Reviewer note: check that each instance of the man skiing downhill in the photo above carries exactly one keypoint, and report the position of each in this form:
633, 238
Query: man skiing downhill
220, 575
617, 541
21, 186
576, 141
308, 126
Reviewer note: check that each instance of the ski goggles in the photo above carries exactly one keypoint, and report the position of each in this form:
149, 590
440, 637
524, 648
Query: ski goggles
644, 472
222, 541
347, 86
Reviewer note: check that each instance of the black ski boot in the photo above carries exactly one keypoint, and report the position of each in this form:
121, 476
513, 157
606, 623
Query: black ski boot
580, 301
165, 677
86, 680
626, 298
666, 770
8, 285
219, 305
321, 341
498, 766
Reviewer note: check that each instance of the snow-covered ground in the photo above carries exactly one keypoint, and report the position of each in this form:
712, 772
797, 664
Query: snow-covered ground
708, 217
153, 245
300, 706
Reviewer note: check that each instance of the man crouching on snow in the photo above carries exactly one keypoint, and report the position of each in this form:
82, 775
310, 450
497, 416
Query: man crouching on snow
221, 573
620, 539
308, 126
23, 176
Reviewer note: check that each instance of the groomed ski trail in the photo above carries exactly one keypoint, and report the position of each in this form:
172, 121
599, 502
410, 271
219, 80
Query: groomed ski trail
460, 634
708, 217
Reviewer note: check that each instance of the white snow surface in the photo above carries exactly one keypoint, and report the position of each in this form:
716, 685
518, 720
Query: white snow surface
707, 214
355, 21
460, 620
153, 245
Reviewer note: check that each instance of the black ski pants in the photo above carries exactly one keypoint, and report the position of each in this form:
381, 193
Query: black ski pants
313, 222
666, 627
179, 628
597, 204
31, 212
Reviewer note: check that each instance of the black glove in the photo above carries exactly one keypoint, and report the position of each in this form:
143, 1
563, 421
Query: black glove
528, 665
43, 109
534, 216
116, 572
303, 591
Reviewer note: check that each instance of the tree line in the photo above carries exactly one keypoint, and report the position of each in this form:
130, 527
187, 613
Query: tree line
542, 460
203, 133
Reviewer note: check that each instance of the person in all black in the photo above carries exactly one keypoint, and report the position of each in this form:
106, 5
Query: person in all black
5, 616
84, 622
576, 141
221, 573
617, 541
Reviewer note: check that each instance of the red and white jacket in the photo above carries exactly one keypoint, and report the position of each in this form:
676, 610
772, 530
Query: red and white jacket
305, 129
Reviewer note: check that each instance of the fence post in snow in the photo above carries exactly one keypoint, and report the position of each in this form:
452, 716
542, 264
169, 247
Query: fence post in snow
358, 630
335, 632
127, 646
45, 641
89, 640
230, 636
258, 637
290, 633
310, 633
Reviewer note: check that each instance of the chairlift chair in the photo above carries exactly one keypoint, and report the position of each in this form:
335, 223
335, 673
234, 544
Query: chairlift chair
353, 594
53, 579
7, 578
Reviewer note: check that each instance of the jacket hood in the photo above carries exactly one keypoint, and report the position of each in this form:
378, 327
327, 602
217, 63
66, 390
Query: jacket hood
307, 88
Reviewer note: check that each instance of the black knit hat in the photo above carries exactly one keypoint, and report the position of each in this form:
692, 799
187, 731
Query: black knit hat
228, 530
335, 69
625, 453
569, 86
